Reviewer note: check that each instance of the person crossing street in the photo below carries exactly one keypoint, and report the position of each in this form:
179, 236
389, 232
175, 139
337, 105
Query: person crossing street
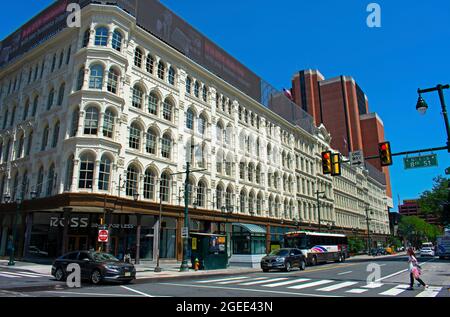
414, 270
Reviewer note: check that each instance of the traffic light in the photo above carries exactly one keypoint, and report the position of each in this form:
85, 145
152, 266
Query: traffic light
385, 153
336, 164
326, 163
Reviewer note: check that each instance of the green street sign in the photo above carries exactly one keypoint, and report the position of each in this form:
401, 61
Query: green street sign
420, 161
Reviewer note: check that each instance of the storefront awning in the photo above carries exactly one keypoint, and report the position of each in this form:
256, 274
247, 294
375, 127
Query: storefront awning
252, 229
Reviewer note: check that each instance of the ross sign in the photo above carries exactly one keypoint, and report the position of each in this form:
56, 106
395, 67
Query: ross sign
103, 236
185, 233
356, 158
420, 161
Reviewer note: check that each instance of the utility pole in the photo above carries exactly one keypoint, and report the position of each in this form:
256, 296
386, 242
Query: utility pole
318, 208
368, 230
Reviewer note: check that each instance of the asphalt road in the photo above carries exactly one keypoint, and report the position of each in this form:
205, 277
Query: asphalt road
383, 277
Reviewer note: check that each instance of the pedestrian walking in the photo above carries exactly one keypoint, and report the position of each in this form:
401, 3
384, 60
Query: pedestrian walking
414, 270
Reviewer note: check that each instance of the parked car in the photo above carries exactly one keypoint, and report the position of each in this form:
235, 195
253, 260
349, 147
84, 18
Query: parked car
95, 267
32, 250
378, 251
427, 251
283, 259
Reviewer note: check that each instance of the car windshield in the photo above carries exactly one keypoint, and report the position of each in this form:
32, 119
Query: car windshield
103, 257
280, 252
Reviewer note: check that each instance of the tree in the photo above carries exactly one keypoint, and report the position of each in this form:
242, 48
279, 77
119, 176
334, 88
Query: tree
417, 230
436, 201
355, 245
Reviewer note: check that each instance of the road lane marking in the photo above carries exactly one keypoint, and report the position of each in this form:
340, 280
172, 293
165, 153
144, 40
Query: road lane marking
26, 274
373, 285
357, 291
224, 279
92, 294
396, 290
238, 281
250, 290
432, 291
382, 264
10, 276
18, 274
137, 292
343, 273
299, 280
312, 284
337, 286
264, 281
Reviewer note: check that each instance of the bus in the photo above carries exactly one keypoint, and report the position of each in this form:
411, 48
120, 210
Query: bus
318, 247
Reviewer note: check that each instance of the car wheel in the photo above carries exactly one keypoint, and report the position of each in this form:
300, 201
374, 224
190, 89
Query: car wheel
302, 265
314, 261
96, 277
288, 266
59, 275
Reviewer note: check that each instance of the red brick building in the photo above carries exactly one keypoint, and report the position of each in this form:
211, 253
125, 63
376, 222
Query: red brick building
342, 106
411, 208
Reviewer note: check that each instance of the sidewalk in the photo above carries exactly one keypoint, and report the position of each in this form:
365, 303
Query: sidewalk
363, 257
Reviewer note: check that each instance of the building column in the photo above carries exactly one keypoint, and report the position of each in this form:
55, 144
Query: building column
28, 228
138, 239
268, 239
65, 237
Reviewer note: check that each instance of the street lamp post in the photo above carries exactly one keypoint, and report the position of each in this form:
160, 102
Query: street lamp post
11, 256
318, 206
368, 229
158, 268
422, 106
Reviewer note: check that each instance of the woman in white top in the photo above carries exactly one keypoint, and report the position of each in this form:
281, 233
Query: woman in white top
413, 265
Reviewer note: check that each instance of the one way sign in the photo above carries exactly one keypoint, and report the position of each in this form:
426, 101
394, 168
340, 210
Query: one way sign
356, 158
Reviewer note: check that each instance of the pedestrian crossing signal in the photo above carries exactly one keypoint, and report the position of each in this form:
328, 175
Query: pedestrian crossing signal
384, 149
326, 163
336, 164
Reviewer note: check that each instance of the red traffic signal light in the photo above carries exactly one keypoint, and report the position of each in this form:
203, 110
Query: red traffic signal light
384, 150
326, 163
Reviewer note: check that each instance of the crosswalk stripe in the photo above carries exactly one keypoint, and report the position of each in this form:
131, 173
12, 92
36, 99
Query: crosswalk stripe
395, 290
337, 286
373, 285
316, 283
10, 276
430, 292
224, 279
264, 281
20, 274
238, 281
27, 274
300, 280
357, 291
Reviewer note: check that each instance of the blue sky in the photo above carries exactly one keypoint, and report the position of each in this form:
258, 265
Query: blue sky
410, 50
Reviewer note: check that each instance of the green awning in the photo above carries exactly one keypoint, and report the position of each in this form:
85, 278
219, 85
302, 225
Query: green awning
251, 228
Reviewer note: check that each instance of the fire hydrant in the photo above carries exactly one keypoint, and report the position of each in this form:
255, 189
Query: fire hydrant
196, 264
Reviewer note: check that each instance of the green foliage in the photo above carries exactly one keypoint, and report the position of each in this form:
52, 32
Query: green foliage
355, 245
394, 242
417, 230
435, 201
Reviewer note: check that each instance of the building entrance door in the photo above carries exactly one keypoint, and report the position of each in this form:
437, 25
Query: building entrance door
77, 243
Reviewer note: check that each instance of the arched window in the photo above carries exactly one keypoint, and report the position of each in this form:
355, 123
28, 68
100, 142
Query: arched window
91, 121
229, 197
171, 77
251, 203
149, 184
53, 62
86, 37
202, 124
75, 122
13, 116
188, 85
5, 119
168, 110
138, 57
242, 202
201, 194
62, 89
20, 146
258, 174
153, 103
242, 170
55, 135
164, 188
104, 175
219, 197
108, 124
14, 187
44, 138
132, 183
150, 64
113, 81
250, 172
166, 146
196, 89
35, 106
29, 143
150, 145
25, 110
138, 95
61, 59
259, 204
190, 119
135, 137
86, 177
219, 133
205, 93
80, 78
96, 79
40, 182
69, 173
50, 100
161, 70
50, 180
117, 41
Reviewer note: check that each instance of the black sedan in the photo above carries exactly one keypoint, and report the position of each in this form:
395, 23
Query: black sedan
95, 267
283, 259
